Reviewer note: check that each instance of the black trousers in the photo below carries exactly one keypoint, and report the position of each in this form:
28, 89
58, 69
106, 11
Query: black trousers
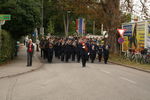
50, 57
83, 62
42, 52
92, 57
45, 53
59, 54
29, 58
78, 57
105, 59
67, 56
62, 56
73, 56
99, 57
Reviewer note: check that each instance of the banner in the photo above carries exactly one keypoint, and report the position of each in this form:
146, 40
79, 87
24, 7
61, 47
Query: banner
80, 26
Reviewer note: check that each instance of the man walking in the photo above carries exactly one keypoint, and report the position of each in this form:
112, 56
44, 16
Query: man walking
84, 54
50, 52
30, 50
106, 53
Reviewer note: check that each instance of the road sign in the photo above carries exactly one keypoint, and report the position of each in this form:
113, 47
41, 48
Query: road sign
2, 22
121, 31
5, 17
121, 40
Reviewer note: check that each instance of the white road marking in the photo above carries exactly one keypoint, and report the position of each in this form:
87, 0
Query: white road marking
133, 82
105, 71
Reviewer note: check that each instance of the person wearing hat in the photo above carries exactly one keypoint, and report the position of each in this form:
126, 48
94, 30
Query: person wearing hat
30, 50
84, 54
106, 53
93, 51
50, 52
63, 50
100, 52
78, 51
67, 50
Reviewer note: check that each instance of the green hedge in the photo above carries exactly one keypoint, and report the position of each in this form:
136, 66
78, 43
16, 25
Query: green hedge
8, 47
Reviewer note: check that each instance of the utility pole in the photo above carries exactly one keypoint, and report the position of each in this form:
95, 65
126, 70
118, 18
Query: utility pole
42, 14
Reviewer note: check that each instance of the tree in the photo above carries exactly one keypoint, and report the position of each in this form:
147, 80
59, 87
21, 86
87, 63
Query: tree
50, 27
25, 16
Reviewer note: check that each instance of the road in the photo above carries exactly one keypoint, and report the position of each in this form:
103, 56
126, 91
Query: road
69, 81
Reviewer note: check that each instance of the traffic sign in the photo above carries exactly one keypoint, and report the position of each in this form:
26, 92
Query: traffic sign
121, 31
2, 22
5, 17
121, 40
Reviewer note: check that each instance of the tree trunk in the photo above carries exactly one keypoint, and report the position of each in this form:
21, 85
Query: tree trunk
65, 26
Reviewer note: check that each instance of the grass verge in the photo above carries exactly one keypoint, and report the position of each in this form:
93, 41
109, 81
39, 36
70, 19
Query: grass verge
119, 60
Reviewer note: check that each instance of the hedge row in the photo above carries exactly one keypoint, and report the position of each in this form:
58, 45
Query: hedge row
8, 47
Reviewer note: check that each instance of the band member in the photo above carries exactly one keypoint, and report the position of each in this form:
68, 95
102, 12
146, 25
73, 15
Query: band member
63, 51
84, 54
92, 52
106, 53
73, 52
50, 52
78, 51
100, 52
67, 51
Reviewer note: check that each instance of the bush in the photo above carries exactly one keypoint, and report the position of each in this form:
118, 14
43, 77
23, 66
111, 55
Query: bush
8, 47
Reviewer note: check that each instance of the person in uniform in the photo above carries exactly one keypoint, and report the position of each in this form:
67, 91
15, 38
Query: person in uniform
73, 52
106, 53
59, 45
63, 50
84, 54
50, 52
67, 51
92, 52
78, 51
100, 52
45, 47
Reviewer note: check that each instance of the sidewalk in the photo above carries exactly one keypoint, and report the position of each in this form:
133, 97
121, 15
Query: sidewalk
18, 65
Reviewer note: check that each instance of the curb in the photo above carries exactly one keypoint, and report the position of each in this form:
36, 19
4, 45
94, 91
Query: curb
140, 69
22, 73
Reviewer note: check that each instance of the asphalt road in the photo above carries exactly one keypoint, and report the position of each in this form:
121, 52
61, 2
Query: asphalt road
69, 81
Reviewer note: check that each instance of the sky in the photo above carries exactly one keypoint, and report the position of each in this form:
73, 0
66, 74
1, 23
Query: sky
137, 7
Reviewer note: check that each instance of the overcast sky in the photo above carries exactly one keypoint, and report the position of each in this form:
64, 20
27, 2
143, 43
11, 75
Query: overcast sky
137, 6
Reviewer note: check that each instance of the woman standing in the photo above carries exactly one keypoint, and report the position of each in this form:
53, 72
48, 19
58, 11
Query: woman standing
30, 50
